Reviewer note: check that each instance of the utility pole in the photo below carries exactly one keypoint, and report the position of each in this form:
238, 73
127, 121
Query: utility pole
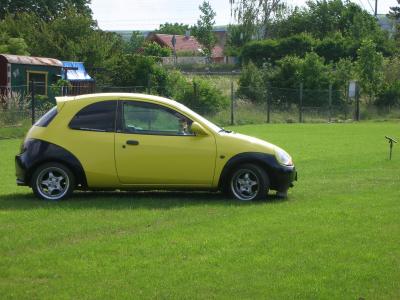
376, 8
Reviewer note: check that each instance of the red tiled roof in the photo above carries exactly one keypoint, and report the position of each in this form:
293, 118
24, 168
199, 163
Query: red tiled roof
183, 43
217, 51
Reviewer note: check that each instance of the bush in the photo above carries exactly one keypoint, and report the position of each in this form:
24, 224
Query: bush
131, 70
251, 84
389, 96
260, 52
154, 49
13, 109
332, 48
272, 50
297, 45
198, 94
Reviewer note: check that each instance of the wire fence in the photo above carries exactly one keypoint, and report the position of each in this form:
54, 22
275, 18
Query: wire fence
21, 106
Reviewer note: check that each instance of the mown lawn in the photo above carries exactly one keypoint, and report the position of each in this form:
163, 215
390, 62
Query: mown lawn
336, 237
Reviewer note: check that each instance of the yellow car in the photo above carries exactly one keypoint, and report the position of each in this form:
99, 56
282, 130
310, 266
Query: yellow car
123, 141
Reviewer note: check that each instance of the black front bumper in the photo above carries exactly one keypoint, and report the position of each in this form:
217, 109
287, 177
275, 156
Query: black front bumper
20, 170
282, 177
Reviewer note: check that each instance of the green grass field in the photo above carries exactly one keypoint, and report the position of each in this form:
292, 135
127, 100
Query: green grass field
336, 237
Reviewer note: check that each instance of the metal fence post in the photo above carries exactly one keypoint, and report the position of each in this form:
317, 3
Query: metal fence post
268, 95
357, 103
301, 103
148, 83
33, 101
232, 105
330, 103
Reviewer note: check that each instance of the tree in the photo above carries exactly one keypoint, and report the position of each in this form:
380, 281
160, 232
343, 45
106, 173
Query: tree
395, 11
46, 9
394, 14
236, 38
389, 96
251, 83
13, 45
135, 42
333, 47
154, 49
369, 67
173, 28
136, 70
343, 73
256, 15
71, 36
203, 29
271, 50
326, 18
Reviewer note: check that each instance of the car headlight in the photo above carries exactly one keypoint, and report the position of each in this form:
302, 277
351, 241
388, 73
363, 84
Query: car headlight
283, 157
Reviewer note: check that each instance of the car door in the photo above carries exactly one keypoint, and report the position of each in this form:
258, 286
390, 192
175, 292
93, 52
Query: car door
91, 140
153, 146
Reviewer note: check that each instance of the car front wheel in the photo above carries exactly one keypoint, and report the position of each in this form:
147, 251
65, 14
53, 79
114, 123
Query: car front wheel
249, 182
52, 181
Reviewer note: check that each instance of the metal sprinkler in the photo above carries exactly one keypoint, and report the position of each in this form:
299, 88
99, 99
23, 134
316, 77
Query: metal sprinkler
391, 141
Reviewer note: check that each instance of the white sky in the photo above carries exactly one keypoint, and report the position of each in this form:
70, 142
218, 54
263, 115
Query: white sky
149, 14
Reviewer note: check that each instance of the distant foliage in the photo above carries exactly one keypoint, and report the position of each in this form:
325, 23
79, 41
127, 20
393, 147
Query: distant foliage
283, 80
137, 70
173, 28
61, 86
10, 45
45, 9
135, 42
389, 95
272, 50
154, 49
204, 26
369, 67
71, 36
236, 39
333, 29
334, 47
252, 85
394, 14
197, 94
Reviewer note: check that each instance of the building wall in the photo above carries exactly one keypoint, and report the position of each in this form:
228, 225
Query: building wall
19, 73
3, 72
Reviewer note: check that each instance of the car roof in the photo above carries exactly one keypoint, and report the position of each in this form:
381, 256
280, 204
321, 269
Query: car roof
123, 96
118, 96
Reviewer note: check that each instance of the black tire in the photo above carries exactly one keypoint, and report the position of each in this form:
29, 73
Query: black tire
248, 182
53, 181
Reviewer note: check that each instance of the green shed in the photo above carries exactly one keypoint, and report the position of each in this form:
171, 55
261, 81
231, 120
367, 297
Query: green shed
17, 72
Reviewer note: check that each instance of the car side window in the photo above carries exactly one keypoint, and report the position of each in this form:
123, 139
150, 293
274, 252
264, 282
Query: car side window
148, 118
99, 116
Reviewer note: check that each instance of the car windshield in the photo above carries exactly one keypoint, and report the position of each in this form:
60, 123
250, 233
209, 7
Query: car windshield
202, 119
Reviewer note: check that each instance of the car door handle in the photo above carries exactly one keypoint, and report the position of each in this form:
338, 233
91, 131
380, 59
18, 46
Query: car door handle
132, 142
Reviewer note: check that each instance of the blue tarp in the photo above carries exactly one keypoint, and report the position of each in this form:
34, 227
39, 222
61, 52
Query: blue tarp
75, 71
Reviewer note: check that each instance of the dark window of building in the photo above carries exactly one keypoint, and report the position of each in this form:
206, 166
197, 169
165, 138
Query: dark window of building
40, 82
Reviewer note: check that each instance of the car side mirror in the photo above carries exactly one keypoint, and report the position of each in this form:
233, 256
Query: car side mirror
197, 129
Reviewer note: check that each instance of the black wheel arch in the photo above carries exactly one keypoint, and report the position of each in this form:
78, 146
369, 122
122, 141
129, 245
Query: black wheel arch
39, 152
266, 161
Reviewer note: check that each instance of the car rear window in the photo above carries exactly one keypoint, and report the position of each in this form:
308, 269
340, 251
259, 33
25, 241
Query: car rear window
45, 120
98, 116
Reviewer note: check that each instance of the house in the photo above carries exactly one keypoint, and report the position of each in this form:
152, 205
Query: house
185, 44
17, 73
80, 80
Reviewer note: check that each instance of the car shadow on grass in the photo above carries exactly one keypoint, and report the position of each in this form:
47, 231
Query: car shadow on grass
129, 200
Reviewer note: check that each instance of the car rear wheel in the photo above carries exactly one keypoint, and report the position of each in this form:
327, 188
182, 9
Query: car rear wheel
249, 182
53, 181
